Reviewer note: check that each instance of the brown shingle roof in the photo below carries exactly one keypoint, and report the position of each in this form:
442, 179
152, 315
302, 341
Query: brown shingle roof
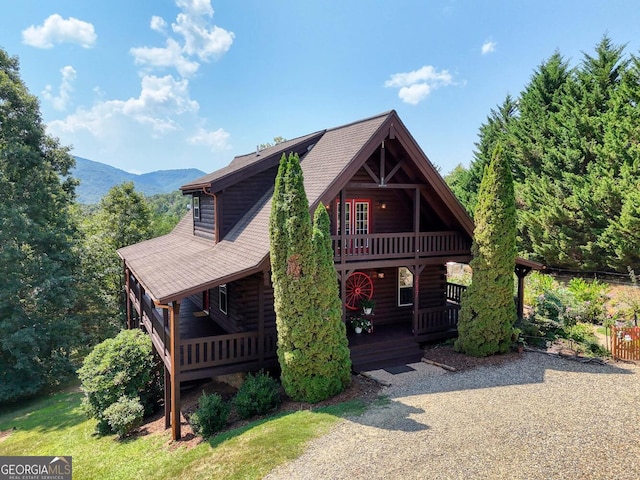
249, 161
179, 264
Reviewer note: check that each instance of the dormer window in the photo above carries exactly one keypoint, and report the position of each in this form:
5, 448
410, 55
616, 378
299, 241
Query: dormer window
196, 208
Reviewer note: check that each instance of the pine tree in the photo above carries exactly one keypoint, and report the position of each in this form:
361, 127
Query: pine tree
38, 239
488, 310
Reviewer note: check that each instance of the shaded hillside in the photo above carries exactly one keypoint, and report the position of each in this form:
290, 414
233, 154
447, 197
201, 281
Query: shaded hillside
97, 178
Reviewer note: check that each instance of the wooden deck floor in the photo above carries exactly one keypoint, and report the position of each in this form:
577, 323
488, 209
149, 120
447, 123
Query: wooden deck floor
194, 326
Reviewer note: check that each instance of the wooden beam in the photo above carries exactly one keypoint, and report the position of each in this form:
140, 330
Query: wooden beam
174, 317
362, 185
261, 301
416, 270
399, 262
167, 398
127, 286
382, 164
393, 171
373, 176
521, 272
416, 220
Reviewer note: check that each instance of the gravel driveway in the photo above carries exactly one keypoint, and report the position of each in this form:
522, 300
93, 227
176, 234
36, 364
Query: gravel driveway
538, 417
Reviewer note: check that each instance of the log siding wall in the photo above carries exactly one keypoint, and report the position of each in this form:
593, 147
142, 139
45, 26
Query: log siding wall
205, 226
239, 198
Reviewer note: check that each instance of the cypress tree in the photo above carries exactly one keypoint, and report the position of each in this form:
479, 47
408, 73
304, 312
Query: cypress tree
488, 310
331, 348
312, 350
572, 138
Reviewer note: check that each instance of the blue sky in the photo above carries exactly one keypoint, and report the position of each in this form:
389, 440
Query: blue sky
151, 85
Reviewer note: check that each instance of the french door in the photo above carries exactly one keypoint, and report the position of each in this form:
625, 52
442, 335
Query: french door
357, 220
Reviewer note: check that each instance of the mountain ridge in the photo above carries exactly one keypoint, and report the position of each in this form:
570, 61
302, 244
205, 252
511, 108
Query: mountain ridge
97, 178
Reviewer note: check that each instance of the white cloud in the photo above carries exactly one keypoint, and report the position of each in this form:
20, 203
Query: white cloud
161, 101
414, 94
61, 101
488, 47
158, 24
169, 56
215, 139
196, 7
196, 38
56, 29
415, 86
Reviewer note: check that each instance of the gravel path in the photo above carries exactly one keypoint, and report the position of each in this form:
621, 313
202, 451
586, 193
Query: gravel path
539, 417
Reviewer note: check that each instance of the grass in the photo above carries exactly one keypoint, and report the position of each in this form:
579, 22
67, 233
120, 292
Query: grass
55, 425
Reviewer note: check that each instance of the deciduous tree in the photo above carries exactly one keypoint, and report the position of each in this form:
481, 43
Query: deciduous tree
38, 332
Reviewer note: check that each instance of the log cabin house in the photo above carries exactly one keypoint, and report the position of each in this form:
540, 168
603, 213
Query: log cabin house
203, 292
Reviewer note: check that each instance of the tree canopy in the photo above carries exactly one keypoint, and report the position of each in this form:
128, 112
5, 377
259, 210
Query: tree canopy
573, 140
38, 236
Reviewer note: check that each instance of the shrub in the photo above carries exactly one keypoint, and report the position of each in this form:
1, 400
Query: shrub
211, 415
537, 284
591, 296
123, 366
258, 395
124, 416
581, 333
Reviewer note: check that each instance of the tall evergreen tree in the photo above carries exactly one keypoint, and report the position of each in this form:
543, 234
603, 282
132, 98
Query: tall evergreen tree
330, 348
310, 352
495, 130
38, 236
573, 145
488, 310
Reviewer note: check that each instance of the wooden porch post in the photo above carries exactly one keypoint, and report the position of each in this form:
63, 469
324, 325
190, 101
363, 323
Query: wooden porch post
174, 318
341, 243
261, 284
521, 272
416, 270
167, 398
127, 287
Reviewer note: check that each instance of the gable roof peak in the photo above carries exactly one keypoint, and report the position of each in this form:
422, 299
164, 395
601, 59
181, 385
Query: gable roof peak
363, 120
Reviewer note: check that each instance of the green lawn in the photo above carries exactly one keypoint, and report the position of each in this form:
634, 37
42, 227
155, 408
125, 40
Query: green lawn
55, 425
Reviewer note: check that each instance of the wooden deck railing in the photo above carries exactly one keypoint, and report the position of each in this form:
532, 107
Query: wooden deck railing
454, 291
437, 319
399, 245
226, 349
625, 343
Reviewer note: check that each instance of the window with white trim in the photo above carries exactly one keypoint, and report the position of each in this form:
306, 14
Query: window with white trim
222, 298
196, 207
405, 287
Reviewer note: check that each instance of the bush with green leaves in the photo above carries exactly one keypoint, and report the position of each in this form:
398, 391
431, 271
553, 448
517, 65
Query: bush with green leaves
124, 416
258, 395
211, 416
591, 297
123, 366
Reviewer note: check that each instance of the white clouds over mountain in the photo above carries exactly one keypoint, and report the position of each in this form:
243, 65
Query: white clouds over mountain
161, 100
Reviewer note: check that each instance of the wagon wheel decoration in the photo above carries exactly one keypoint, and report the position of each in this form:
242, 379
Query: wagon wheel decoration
358, 287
